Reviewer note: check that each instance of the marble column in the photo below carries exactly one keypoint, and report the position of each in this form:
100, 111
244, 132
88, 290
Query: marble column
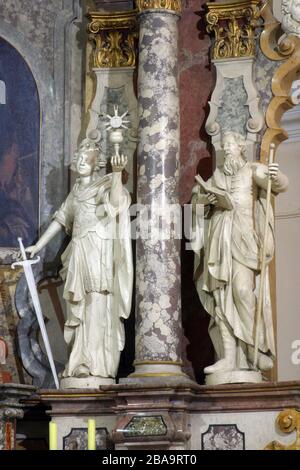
158, 296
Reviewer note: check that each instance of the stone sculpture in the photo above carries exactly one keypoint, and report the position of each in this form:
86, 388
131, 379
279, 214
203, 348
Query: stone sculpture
228, 261
291, 17
97, 267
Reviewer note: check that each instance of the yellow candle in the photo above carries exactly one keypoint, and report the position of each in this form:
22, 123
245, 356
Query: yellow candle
52, 436
91, 434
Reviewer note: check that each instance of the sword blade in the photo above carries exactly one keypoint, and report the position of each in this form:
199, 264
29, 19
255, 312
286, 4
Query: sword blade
39, 314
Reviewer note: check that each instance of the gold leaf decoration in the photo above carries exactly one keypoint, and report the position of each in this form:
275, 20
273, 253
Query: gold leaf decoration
287, 421
173, 5
233, 25
114, 36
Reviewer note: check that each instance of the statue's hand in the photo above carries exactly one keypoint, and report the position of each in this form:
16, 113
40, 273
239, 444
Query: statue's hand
273, 169
212, 198
118, 162
32, 250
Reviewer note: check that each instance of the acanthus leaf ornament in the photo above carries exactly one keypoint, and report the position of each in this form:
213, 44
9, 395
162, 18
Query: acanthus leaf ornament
233, 25
114, 36
172, 5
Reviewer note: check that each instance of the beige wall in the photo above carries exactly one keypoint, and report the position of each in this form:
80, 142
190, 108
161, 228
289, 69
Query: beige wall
288, 259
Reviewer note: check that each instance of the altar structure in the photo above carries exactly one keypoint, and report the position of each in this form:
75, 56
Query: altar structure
185, 74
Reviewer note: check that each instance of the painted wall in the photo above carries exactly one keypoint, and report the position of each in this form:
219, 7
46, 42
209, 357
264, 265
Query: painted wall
288, 254
19, 150
50, 36
196, 81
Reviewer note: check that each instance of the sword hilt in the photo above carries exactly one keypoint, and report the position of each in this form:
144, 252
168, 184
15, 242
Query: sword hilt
25, 260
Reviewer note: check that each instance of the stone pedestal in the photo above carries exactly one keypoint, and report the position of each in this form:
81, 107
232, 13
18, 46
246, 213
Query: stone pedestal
71, 410
174, 415
84, 382
11, 409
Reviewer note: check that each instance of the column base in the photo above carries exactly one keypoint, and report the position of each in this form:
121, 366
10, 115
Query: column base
149, 370
233, 377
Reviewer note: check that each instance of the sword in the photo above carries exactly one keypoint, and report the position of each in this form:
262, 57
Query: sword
26, 264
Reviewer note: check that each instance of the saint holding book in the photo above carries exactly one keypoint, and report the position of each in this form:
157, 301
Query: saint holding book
227, 266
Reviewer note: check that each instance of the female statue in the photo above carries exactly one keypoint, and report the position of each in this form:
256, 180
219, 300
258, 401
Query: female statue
97, 268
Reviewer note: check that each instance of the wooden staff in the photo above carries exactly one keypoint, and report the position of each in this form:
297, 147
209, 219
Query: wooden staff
263, 261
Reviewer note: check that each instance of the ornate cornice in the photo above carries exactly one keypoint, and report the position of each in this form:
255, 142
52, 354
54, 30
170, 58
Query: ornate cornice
233, 25
114, 36
172, 5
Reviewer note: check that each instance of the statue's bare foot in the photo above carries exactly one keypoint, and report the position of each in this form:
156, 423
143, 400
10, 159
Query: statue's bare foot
221, 365
264, 362
81, 371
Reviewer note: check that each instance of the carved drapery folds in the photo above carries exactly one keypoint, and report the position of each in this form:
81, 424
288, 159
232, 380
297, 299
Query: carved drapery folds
114, 36
233, 25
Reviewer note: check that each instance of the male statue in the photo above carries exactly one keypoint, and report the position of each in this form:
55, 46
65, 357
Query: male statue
290, 10
227, 266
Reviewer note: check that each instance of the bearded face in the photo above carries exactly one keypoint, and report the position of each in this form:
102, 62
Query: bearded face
233, 156
291, 16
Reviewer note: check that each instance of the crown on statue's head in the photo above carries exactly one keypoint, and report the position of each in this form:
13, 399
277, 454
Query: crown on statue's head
91, 143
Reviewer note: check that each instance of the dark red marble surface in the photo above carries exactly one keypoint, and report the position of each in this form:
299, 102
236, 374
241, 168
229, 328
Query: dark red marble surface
196, 81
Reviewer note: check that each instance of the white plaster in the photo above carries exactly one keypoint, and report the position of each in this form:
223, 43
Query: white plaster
259, 427
287, 226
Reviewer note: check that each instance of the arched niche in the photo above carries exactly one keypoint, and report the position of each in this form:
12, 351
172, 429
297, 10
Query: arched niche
19, 149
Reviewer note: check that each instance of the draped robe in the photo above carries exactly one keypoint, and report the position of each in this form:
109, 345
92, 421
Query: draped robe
236, 234
98, 274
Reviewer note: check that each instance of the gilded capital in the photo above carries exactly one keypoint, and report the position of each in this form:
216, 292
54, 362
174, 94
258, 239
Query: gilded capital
114, 36
172, 5
233, 25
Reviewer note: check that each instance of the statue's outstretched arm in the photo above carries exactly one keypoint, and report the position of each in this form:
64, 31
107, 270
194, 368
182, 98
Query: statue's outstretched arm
53, 229
118, 163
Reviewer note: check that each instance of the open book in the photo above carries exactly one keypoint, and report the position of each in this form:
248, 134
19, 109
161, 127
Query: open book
222, 196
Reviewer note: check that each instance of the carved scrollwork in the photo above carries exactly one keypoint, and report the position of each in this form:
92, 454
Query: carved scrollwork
114, 38
287, 421
278, 46
173, 5
234, 28
13, 413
